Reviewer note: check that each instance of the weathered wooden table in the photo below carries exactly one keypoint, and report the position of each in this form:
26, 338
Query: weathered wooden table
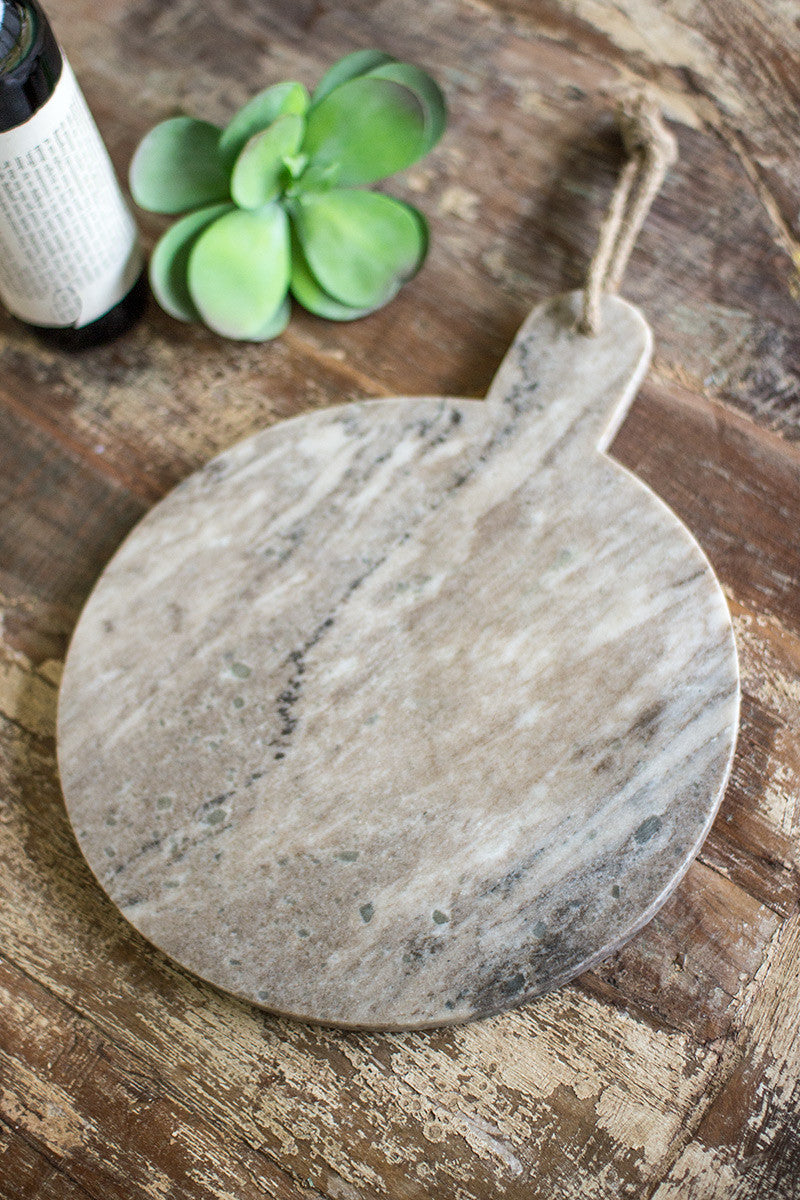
672, 1070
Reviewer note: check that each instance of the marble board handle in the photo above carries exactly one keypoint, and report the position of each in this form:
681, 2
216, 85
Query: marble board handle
565, 389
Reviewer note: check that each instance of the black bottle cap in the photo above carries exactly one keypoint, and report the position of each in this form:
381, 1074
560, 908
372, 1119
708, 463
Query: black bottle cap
29, 83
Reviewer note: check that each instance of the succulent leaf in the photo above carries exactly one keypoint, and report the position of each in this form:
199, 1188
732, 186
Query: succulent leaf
178, 166
306, 289
318, 177
275, 325
238, 272
349, 67
259, 113
295, 164
360, 246
427, 92
369, 127
261, 170
170, 259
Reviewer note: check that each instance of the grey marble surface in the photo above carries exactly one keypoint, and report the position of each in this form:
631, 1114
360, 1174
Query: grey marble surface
400, 713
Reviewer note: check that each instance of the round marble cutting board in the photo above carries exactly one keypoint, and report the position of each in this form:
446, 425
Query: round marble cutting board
400, 713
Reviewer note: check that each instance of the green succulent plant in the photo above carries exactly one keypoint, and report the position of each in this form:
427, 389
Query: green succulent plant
276, 202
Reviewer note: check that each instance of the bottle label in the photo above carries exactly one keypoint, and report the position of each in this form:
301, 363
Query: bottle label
68, 244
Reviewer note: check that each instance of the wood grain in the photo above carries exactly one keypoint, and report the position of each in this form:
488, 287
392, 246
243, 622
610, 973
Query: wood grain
670, 1071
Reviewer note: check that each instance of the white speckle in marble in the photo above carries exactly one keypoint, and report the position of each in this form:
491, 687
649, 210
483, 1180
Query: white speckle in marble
400, 713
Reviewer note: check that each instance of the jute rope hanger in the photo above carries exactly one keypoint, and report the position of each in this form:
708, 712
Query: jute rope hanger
651, 149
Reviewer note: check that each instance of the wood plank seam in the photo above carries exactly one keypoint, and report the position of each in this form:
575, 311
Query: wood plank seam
726, 132
109, 1033
56, 1167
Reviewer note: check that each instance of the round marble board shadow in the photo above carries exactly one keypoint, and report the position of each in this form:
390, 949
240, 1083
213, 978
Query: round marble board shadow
399, 713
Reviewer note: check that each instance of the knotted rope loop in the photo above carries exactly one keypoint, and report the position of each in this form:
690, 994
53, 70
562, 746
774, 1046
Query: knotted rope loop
651, 149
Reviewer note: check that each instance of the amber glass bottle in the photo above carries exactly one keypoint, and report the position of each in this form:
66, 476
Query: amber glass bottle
71, 266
